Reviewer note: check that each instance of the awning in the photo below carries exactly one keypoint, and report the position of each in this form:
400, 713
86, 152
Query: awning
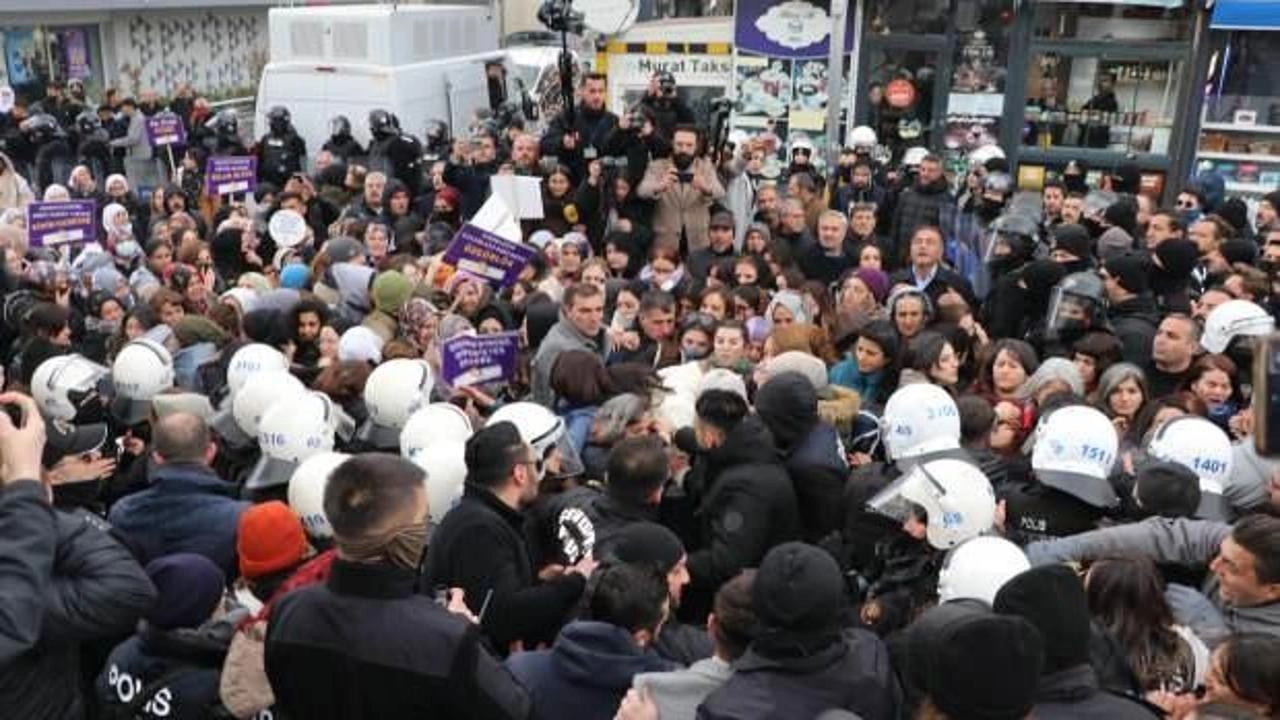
1246, 15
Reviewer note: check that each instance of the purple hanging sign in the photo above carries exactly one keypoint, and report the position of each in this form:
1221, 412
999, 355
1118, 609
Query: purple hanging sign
792, 29
490, 256
229, 174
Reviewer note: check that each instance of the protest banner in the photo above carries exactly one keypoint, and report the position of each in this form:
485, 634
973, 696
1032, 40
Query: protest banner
228, 174
475, 359
61, 222
487, 255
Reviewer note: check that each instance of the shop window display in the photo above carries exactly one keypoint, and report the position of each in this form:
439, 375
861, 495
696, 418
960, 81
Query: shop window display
1109, 22
916, 17
1100, 103
899, 97
35, 56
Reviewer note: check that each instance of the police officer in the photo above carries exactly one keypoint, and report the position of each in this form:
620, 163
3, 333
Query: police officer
53, 159
340, 143
1075, 449
281, 151
394, 152
1077, 305
226, 134
938, 504
93, 149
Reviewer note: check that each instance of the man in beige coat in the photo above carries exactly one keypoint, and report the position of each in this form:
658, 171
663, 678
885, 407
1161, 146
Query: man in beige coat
683, 188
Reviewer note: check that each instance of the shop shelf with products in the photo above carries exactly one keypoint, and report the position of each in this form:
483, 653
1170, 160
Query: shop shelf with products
1246, 154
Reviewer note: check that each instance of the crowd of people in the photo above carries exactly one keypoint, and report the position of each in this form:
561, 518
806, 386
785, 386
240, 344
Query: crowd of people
779, 443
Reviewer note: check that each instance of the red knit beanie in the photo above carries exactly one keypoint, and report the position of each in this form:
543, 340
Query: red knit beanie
270, 538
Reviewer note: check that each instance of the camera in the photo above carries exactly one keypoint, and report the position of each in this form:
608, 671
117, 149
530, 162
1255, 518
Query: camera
610, 161
559, 16
685, 177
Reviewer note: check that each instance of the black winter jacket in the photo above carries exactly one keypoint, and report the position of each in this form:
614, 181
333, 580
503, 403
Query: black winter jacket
97, 590
518, 608
853, 674
746, 506
1074, 694
365, 646
179, 671
1135, 321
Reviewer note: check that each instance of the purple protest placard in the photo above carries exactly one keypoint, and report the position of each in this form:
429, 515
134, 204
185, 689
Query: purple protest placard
166, 128
487, 255
61, 222
228, 174
474, 359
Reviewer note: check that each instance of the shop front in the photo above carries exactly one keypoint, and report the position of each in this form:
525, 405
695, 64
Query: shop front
1240, 121
36, 55
1100, 84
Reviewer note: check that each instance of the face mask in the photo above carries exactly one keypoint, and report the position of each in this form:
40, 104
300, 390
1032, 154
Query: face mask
100, 326
128, 249
682, 160
988, 210
1094, 227
405, 548
693, 355
1189, 216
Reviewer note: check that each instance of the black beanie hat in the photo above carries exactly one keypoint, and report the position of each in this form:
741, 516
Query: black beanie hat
1239, 251
1178, 257
986, 667
798, 587
1132, 271
1052, 598
644, 543
1273, 198
1074, 239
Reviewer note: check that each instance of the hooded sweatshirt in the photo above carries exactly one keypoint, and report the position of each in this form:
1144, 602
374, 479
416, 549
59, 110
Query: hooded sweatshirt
586, 672
810, 449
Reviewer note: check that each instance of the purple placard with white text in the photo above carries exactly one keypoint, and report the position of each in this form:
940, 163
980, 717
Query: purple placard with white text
486, 255
61, 222
230, 174
166, 128
476, 359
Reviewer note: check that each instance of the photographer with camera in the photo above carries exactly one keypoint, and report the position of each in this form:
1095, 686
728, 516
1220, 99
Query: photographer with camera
664, 105
684, 187
470, 166
587, 125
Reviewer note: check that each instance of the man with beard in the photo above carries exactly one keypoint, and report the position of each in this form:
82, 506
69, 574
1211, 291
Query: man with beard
861, 189
589, 127
684, 187
524, 154
769, 207
923, 204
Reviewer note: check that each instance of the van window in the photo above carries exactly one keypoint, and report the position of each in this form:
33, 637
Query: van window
350, 40
306, 39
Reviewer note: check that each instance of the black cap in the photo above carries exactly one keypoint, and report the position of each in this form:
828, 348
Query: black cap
798, 587
987, 667
643, 542
63, 439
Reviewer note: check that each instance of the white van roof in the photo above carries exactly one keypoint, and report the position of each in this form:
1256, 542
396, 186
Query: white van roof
387, 35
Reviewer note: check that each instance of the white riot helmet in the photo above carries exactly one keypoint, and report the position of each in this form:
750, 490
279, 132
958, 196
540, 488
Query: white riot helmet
292, 430
1204, 449
306, 492
863, 138
63, 385
238, 424
445, 468
920, 419
393, 391
437, 424
955, 495
914, 156
544, 431
976, 569
250, 360
1075, 448
141, 371
979, 156
1232, 319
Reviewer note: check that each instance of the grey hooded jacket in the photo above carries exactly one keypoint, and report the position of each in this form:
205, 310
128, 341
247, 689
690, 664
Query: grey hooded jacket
1181, 541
